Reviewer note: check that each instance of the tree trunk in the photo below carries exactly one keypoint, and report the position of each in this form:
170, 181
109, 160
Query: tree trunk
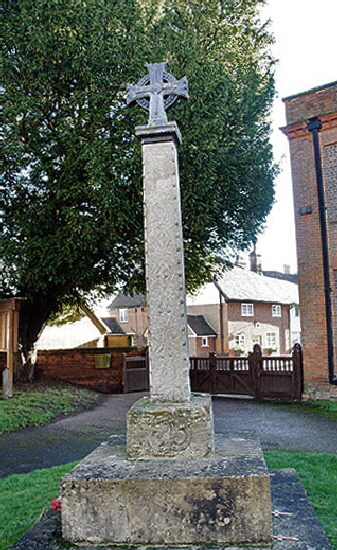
33, 317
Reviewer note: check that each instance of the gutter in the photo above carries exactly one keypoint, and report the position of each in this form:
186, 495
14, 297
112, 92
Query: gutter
314, 125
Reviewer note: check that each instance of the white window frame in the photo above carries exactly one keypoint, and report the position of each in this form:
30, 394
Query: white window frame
240, 341
247, 310
276, 310
287, 338
204, 342
123, 315
270, 340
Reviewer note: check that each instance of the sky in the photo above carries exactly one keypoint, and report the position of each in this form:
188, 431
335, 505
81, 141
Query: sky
306, 48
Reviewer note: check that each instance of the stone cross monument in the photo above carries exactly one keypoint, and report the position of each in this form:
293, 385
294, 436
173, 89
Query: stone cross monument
150, 435
170, 484
168, 342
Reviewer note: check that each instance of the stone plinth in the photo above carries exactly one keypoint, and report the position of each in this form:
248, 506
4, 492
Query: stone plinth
157, 429
224, 499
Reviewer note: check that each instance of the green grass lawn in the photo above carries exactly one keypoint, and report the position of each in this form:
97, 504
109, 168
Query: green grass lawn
22, 499
328, 409
38, 404
318, 474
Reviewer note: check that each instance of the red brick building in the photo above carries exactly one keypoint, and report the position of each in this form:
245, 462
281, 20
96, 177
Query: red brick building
242, 309
246, 309
312, 132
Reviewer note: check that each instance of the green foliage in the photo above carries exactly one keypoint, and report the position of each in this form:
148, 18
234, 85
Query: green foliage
68, 314
41, 405
74, 215
318, 473
23, 498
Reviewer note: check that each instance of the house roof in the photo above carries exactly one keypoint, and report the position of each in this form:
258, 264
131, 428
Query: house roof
113, 325
200, 325
240, 285
126, 301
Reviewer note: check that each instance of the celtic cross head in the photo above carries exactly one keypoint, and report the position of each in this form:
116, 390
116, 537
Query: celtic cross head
157, 92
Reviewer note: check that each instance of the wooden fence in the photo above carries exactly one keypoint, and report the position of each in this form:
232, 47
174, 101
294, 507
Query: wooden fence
254, 375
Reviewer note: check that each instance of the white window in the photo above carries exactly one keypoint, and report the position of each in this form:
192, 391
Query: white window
247, 310
257, 339
276, 310
123, 315
240, 340
287, 337
270, 340
204, 341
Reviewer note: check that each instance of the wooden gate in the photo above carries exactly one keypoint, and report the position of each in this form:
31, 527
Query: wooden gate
255, 375
260, 377
135, 374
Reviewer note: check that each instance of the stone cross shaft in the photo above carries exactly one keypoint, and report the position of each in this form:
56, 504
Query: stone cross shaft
157, 92
167, 334
164, 258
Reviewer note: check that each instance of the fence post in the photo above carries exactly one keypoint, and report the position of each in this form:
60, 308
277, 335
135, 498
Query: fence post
212, 371
124, 379
255, 361
298, 371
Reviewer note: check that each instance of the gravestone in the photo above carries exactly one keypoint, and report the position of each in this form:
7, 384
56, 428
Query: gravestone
172, 482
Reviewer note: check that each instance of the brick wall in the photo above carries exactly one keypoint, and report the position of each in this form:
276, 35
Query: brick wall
258, 325
315, 102
197, 349
330, 177
136, 324
212, 314
84, 367
321, 102
235, 323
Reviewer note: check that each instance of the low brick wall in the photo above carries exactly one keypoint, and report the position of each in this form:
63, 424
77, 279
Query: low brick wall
100, 369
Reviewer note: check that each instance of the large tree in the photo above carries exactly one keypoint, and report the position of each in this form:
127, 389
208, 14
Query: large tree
73, 183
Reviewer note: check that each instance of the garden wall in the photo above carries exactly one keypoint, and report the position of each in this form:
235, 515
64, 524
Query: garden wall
100, 369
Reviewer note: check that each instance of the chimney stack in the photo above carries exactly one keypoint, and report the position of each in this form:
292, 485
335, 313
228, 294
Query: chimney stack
255, 261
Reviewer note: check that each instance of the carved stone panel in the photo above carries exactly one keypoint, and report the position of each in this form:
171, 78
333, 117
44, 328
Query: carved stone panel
157, 430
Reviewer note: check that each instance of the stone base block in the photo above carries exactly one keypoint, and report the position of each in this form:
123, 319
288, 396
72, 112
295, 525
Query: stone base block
158, 429
224, 499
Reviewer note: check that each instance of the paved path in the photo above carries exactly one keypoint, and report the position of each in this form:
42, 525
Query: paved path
74, 436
